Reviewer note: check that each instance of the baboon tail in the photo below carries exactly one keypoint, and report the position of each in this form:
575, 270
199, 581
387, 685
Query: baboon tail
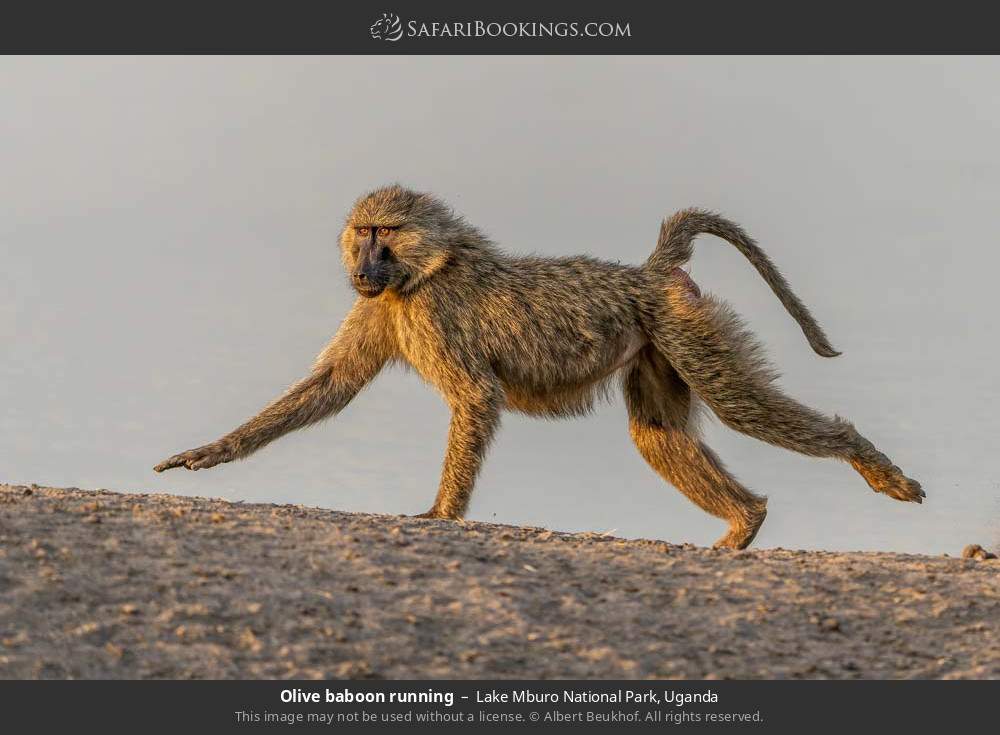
676, 245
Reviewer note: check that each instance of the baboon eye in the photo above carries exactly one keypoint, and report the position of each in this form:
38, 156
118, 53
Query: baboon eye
384, 231
363, 231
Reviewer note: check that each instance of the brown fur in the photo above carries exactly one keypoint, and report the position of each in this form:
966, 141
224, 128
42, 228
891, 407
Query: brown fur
546, 336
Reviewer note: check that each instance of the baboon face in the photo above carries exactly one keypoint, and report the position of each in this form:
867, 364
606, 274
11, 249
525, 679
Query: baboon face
391, 241
375, 266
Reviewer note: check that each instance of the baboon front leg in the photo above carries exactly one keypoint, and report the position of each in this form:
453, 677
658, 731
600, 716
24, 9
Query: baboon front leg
474, 419
659, 405
362, 345
714, 353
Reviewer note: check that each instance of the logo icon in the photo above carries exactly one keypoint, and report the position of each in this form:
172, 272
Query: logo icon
387, 28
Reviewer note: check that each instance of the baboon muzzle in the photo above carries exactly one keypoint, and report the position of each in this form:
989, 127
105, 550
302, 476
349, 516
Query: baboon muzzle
370, 276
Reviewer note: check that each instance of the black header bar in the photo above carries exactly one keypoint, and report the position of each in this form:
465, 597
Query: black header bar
511, 27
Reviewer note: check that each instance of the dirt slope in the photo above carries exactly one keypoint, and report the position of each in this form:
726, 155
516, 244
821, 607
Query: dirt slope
100, 584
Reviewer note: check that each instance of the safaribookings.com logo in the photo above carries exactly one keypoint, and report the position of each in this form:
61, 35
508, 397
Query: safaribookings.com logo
390, 28
387, 28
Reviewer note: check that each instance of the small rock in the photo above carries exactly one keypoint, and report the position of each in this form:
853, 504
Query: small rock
249, 640
831, 624
975, 551
353, 670
826, 624
15, 640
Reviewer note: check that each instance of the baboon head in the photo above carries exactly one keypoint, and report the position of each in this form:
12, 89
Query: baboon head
395, 239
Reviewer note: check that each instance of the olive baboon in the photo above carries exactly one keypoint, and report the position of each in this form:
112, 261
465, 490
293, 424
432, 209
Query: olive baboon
545, 336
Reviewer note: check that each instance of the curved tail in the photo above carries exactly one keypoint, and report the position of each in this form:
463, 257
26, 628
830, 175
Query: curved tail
676, 245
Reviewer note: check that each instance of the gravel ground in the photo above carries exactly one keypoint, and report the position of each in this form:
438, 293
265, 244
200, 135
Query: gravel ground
109, 585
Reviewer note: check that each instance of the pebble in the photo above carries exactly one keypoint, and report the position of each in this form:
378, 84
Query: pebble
975, 551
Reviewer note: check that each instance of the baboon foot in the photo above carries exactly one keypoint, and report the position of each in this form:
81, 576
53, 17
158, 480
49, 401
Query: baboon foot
889, 479
742, 533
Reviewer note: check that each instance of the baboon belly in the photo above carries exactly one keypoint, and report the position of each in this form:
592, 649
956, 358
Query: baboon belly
565, 388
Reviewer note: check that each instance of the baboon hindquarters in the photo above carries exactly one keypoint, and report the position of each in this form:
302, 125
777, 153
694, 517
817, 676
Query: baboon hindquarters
659, 407
714, 354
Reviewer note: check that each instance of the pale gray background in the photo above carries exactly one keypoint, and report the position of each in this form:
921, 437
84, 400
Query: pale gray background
168, 226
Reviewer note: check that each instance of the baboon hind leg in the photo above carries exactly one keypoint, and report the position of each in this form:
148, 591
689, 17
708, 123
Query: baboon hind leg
716, 355
659, 407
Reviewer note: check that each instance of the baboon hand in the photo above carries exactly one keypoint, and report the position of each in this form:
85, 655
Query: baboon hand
198, 459
438, 515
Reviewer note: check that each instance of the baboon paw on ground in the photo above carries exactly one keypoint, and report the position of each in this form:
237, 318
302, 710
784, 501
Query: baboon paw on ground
435, 515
